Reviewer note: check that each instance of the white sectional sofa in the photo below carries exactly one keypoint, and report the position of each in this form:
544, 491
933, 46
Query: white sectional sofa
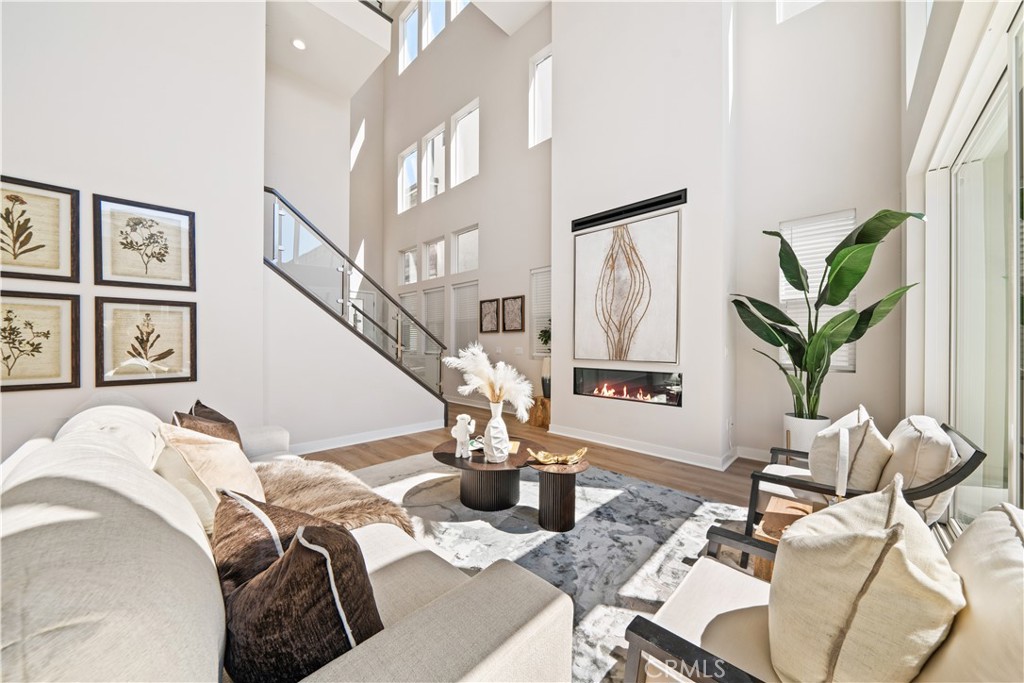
108, 575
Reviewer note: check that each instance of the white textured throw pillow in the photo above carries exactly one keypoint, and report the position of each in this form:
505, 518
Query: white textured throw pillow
860, 592
198, 464
922, 452
869, 452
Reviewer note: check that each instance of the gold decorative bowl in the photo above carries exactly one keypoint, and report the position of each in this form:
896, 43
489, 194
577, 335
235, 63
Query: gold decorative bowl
546, 458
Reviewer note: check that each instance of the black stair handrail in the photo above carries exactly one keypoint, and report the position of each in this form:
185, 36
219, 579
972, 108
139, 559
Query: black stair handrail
366, 276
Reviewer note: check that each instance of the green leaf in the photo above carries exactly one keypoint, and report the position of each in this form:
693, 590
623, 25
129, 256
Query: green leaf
796, 346
769, 312
795, 387
830, 337
795, 274
845, 273
756, 325
876, 312
873, 230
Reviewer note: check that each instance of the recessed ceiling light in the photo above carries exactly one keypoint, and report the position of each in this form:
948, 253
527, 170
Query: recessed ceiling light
298, 44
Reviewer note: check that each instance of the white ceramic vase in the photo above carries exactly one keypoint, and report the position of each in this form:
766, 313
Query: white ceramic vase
496, 437
798, 432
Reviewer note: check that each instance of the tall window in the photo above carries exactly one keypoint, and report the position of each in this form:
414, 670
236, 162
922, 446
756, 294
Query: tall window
433, 259
813, 239
433, 317
466, 246
540, 96
408, 37
540, 307
433, 164
407, 266
465, 315
433, 20
408, 186
458, 6
410, 333
466, 144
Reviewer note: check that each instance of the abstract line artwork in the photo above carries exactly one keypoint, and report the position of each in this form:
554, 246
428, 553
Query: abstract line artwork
627, 291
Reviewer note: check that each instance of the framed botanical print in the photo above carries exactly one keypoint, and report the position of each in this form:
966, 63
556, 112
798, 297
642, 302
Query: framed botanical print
39, 341
143, 245
490, 315
512, 313
38, 231
140, 341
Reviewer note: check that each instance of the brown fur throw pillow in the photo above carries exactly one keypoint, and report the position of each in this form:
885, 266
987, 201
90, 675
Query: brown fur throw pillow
329, 492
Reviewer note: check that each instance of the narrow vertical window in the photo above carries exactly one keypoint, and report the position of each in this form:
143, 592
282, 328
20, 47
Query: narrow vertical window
433, 20
433, 259
466, 248
433, 164
410, 333
458, 6
433, 317
465, 314
407, 266
408, 184
540, 97
540, 308
408, 37
466, 144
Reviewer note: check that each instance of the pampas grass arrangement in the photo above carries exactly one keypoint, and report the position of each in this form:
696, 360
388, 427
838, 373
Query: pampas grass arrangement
498, 383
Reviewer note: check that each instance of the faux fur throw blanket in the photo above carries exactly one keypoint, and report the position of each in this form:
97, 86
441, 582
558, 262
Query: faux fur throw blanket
328, 491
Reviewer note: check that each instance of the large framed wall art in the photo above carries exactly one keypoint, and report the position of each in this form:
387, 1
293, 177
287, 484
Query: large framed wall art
627, 282
38, 231
39, 341
140, 341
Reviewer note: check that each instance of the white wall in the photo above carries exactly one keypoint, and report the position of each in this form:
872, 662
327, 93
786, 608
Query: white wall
509, 199
307, 151
149, 102
817, 129
327, 385
366, 210
639, 99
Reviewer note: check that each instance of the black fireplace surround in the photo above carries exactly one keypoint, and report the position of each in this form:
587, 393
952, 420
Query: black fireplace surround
658, 388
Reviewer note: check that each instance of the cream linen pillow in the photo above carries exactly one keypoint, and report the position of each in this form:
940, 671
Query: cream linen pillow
922, 452
860, 592
198, 464
869, 452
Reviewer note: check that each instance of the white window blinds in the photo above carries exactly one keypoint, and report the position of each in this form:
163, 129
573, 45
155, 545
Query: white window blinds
410, 333
813, 239
433, 317
540, 307
466, 315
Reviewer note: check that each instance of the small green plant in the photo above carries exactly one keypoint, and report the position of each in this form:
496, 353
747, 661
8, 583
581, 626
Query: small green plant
17, 233
544, 335
19, 340
140, 237
145, 343
810, 352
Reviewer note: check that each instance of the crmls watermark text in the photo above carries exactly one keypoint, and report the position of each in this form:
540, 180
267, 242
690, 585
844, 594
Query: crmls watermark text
696, 669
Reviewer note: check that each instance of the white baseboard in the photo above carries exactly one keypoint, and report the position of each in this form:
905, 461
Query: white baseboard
748, 453
307, 447
719, 463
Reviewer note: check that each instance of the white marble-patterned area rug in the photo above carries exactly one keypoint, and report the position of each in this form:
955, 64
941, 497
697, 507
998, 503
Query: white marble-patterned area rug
632, 545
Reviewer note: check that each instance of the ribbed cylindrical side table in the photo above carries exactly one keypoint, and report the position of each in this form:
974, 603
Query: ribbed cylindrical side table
558, 494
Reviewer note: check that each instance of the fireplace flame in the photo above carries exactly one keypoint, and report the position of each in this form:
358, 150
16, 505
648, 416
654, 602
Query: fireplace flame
612, 393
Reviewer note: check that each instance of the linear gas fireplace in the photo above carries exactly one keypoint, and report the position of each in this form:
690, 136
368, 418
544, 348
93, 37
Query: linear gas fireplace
662, 388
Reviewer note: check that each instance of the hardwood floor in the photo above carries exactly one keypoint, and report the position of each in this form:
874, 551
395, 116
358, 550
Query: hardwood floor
731, 486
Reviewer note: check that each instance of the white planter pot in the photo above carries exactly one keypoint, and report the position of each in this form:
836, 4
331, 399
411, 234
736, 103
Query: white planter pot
799, 432
496, 445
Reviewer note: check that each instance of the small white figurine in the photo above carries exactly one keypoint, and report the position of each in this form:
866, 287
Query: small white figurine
462, 430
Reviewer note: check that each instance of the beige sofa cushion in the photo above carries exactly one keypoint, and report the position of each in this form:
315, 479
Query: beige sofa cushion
868, 454
922, 452
861, 592
987, 639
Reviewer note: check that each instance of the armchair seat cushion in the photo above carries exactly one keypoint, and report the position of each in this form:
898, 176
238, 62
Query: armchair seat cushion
725, 612
769, 490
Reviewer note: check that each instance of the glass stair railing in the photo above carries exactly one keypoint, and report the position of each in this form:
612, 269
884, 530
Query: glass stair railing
306, 258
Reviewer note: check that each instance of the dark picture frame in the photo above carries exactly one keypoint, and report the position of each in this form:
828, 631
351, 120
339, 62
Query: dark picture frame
32, 343
512, 308
55, 210
142, 245
133, 337
490, 315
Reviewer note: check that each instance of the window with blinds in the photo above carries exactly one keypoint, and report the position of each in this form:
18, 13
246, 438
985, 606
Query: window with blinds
813, 239
540, 307
433, 317
465, 315
410, 333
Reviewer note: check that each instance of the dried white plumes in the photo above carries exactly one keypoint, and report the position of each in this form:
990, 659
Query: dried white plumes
498, 384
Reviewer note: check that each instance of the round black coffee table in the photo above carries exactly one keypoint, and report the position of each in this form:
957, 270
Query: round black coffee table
485, 485
558, 494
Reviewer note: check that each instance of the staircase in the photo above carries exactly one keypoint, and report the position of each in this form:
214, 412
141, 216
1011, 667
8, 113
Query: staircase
305, 258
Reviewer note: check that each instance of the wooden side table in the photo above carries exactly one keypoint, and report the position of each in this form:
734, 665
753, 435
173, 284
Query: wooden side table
780, 513
558, 494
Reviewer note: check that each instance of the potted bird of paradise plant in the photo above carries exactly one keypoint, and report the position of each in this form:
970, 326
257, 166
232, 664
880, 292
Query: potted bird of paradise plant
809, 349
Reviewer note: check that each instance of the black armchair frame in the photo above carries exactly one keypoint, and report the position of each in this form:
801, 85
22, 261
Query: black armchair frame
646, 637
